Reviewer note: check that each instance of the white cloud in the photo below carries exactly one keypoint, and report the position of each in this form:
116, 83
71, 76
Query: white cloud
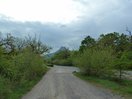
58, 11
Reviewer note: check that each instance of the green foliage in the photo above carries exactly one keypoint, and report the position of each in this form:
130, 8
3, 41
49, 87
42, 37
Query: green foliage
88, 42
20, 89
123, 63
64, 54
14, 45
5, 88
119, 42
126, 59
109, 54
110, 39
21, 64
122, 43
29, 64
63, 58
36, 45
63, 62
95, 62
5, 67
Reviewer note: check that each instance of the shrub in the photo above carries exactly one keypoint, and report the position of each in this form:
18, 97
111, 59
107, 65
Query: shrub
5, 88
29, 65
21, 65
96, 62
123, 63
63, 62
127, 59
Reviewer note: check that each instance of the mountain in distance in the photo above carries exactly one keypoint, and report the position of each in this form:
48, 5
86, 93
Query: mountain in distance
52, 54
61, 49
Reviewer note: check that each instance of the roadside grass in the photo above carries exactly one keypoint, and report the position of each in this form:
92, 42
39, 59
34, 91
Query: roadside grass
23, 88
123, 87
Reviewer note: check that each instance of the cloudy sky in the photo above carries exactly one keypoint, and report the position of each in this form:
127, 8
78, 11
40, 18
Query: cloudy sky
64, 22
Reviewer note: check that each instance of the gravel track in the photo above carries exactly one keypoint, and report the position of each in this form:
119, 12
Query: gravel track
60, 83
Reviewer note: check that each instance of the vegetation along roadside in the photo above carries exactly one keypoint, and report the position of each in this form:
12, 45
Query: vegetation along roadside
105, 61
22, 65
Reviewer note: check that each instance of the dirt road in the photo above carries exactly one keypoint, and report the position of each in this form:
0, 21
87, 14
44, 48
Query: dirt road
60, 83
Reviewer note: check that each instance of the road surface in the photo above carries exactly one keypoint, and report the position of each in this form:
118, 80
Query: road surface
60, 83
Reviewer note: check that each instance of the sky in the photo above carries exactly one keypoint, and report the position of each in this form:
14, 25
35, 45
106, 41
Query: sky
64, 22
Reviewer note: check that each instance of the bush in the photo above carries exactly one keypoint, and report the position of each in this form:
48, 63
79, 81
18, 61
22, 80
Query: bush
63, 62
63, 57
29, 65
95, 62
126, 58
5, 88
123, 63
21, 65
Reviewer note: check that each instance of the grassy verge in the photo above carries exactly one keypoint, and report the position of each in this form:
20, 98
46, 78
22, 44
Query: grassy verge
124, 87
10, 90
24, 87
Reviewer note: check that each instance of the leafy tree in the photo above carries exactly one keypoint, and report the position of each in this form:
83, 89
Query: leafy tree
88, 42
62, 54
110, 52
13, 45
109, 39
20, 61
62, 57
122, 43
119, 42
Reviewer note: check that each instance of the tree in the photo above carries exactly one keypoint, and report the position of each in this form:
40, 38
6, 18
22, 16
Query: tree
123, 63
9, 44
122, 43
36, 45
119, 42
109, 39
62, 54
1, 39
21, 62
88, 42
20, 44
62, 57
130, 34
